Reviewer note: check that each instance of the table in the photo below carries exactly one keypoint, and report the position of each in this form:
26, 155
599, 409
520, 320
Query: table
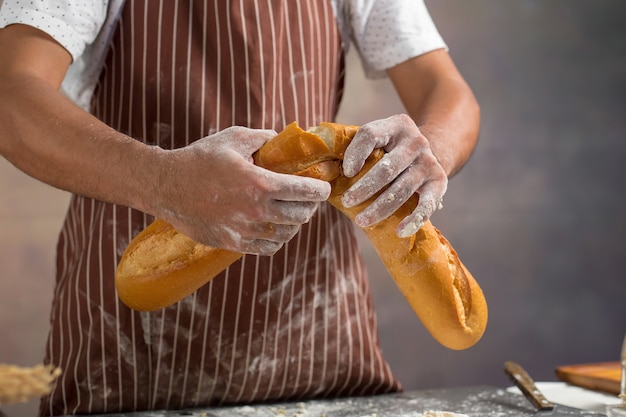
473, 401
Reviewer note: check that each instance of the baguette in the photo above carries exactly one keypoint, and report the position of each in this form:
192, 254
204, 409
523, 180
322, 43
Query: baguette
161, 266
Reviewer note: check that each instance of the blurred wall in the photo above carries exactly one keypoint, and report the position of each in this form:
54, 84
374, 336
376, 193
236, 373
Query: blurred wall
538, 215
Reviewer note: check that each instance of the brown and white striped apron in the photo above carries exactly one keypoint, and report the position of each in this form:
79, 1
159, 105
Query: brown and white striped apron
296, 325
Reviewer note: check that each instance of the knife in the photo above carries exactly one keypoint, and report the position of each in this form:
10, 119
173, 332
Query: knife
622, 391
525, 383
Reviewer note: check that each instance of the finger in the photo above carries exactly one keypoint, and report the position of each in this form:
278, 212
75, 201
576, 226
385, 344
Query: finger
430, 199
271, 238
395, 131
262, 247
284, 232
366, 139
292, 212
285, 187
273, 232
389, 201
431, 185
401, 152
379, 176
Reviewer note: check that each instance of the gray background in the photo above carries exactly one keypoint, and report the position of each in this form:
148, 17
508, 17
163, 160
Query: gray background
538, 215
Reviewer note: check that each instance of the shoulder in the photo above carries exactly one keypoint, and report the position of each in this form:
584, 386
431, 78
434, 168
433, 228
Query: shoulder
73, 24
389, 32
83, 28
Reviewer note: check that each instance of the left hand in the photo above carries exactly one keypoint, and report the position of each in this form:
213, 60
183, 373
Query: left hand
409, 166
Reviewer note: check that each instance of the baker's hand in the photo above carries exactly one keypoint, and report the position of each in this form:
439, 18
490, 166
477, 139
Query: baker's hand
217, 196
409, 166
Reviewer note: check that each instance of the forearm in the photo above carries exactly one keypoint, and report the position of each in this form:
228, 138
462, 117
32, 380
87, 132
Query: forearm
449, 117
49, 138
442, 105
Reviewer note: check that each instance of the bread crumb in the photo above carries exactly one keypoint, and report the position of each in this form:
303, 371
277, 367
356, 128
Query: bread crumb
19, 384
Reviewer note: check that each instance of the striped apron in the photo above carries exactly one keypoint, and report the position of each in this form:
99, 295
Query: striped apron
293, 326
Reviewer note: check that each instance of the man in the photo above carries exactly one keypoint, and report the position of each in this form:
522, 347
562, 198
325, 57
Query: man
151, 108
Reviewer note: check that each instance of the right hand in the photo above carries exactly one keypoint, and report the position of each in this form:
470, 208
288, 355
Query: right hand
212, 192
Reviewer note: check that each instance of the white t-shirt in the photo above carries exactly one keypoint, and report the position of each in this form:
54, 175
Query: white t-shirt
385, 33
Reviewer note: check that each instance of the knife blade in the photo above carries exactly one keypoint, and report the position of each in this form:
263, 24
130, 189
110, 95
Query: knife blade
527, 386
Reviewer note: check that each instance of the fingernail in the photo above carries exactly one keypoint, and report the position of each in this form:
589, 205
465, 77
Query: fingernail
347, 168
360, 221
347, 201
411, 228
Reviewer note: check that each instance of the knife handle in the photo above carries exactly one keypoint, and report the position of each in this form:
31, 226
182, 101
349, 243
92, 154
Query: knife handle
622, 391
525, 383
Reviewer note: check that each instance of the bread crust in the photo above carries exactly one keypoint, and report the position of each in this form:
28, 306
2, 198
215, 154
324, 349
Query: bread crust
162, 266
427, 270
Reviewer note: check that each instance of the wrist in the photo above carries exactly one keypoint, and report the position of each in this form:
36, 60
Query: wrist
151, 180
442, 154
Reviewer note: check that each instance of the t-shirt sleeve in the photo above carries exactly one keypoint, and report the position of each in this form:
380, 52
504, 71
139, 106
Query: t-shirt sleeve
389, 32
74, 24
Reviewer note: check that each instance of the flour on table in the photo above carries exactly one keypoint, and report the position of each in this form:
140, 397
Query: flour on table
442, 414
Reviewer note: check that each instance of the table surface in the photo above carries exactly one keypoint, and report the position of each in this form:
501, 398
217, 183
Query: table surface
474, 401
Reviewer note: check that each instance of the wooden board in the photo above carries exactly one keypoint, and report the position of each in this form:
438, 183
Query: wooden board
604, 376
